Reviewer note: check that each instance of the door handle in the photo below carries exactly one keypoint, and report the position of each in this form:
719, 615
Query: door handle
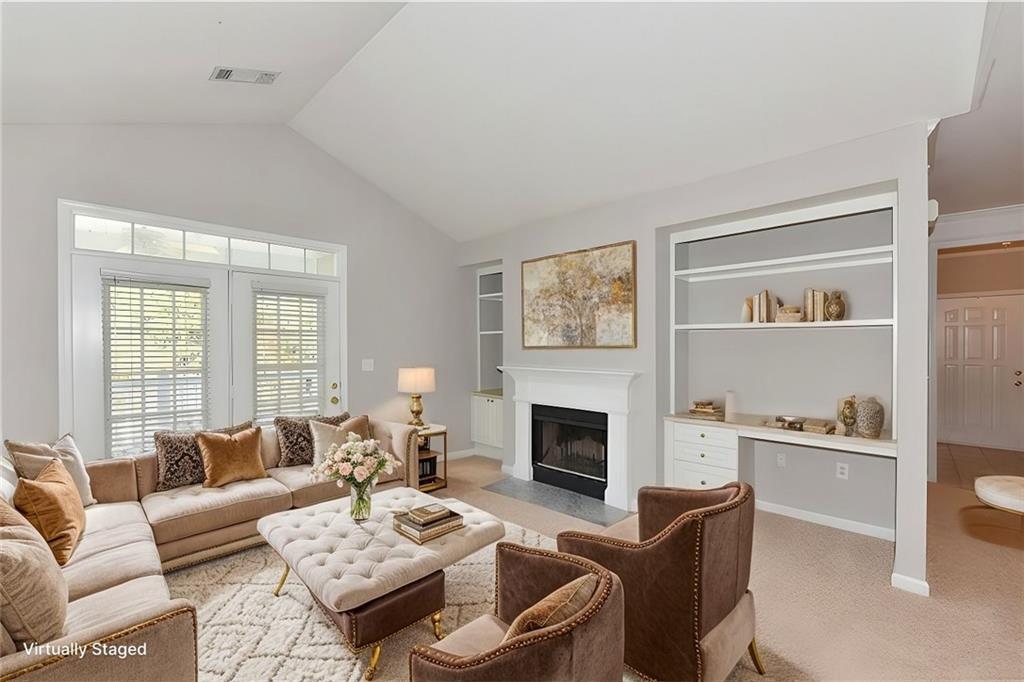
1017, 383
334, 384
334, 400
1017, 373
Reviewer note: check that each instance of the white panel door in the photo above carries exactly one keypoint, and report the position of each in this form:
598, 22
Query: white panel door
980, 349
477, 418
281, 363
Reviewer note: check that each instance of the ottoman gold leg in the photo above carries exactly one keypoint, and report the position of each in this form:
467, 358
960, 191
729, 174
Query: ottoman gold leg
280, 583
755, 656
438, 630
371, 669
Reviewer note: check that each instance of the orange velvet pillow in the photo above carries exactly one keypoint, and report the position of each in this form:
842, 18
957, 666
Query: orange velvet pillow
231, 457
51, 503
563, 603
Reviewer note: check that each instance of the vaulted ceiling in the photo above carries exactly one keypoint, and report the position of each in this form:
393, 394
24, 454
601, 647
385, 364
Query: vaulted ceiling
482, 117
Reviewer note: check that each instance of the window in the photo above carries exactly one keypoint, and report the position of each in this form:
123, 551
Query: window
289, 362
155, 340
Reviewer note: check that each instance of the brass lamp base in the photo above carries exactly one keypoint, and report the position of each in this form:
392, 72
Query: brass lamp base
416, 408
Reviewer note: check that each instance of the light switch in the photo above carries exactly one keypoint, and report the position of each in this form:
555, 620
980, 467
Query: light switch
367, 365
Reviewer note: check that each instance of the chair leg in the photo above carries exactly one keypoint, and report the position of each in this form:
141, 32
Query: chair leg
280, 583
438, 630
755, 656
371, 669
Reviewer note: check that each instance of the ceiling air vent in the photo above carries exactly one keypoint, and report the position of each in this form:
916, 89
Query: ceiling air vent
227, 73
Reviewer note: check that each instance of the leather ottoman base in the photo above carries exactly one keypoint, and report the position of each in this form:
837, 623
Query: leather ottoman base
395, 611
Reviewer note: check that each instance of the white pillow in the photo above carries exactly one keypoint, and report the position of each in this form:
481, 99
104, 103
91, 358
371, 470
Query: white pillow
30, 458
326, 435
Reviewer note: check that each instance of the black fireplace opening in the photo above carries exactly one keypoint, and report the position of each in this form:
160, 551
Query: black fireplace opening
569, 449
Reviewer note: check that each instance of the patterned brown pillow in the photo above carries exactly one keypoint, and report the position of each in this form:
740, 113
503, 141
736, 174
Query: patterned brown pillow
296, 440
563, 603
178, 460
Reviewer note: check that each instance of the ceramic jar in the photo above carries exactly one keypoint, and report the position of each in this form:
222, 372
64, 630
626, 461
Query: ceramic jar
870, 417
835, 307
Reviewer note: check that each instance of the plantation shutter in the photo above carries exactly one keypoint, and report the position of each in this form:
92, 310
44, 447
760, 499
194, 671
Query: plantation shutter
156, 360
289, 359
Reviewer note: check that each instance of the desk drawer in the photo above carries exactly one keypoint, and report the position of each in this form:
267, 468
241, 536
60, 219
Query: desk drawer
706, 455
706, 435
698, 477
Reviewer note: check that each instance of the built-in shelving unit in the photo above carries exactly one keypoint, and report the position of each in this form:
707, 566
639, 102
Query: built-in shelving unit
846, 246
489, 307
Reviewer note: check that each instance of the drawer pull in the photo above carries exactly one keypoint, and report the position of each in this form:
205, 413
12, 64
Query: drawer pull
702, 435
703, 482
702, 455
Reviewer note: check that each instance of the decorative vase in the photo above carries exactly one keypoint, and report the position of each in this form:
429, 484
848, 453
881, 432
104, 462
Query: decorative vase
360, 500
870, 417
846, 416
835, 308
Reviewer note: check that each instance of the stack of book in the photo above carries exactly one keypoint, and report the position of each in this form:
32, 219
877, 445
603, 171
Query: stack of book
706, 409
765, 307
814, 305
426, 523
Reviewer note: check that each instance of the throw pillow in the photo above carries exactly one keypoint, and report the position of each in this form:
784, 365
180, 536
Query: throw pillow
561, 604
230, 457
30, 458
296, 440
326, 435
52, 505
33, 592
178, 460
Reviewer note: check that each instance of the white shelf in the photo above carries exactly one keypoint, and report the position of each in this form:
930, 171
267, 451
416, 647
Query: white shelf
483, 333
491, 297
829, 260
841, 324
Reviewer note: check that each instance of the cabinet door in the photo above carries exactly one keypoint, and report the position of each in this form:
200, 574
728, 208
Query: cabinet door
497, 422
477, 417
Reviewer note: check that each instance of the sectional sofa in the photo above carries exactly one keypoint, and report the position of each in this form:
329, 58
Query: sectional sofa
117, 596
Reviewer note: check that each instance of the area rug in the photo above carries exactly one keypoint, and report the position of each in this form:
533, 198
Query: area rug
245, 633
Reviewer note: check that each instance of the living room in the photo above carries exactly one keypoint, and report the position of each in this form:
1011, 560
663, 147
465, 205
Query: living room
647, 296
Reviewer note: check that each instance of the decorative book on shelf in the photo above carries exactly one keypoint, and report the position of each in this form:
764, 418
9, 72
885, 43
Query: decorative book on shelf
420, 533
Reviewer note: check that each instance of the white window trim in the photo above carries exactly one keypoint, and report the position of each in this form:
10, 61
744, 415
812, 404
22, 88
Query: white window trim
66, 211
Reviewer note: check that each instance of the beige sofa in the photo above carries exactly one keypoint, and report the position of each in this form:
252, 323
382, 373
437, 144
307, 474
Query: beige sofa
117, 595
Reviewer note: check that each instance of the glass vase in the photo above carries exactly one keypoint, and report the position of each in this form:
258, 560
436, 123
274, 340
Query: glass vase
360, 499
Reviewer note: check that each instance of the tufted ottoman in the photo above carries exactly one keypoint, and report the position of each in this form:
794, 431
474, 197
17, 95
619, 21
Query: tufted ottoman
370, 580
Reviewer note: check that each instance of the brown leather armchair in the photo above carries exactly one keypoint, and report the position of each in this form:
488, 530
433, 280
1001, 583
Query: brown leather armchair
684, 561
587, 645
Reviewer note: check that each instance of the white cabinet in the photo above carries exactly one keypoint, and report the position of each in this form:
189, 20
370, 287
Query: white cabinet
698, 456
486, 420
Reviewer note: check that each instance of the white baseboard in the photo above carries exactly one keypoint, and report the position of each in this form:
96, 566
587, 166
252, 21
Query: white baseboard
489, 453
908, 584
826, 520
507, 469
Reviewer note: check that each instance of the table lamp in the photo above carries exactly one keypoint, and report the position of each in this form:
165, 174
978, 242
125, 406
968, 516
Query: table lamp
416, 381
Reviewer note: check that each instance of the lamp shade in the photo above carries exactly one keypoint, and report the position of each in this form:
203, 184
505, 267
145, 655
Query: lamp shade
416, 380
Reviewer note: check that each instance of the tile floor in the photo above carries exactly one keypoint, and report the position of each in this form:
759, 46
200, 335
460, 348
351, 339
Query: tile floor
959, 465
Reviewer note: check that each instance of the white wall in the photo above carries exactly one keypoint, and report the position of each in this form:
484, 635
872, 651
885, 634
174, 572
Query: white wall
401, 269
897, 158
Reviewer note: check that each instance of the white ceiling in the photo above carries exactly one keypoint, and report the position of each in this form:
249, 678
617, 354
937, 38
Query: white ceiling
149, 62
979, 156
480, 117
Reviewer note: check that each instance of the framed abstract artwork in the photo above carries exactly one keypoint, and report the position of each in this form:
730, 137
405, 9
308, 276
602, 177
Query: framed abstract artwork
581, 299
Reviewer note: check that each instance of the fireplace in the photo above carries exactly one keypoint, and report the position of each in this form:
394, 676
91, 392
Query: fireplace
569, 449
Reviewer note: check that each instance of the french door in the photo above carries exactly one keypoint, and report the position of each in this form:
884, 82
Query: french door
980, 350
286, 346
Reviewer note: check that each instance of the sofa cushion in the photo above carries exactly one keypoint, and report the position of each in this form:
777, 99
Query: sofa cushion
561, 604
230, 457
106, 605
110, 559
52, 504
475, 637
296, 440
327, 435
30, 458
109, 526
306, 490
179, 461
193, 509
33, 592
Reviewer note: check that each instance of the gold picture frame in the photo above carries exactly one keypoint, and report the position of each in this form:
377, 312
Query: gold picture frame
583, 299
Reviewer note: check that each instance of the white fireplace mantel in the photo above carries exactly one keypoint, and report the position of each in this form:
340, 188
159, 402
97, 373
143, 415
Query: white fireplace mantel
598, 390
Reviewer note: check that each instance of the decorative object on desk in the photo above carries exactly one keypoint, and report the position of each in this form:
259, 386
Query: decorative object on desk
581, 299
706, 409
425, 532
730, 406
791, 423
416, 381
357, 462
846, 416
823, 426
835, 309
789, 313
870, 417
747, 314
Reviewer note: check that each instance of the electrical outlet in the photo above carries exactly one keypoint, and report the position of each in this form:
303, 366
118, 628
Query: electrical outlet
780, 459
842, 470
368, 365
